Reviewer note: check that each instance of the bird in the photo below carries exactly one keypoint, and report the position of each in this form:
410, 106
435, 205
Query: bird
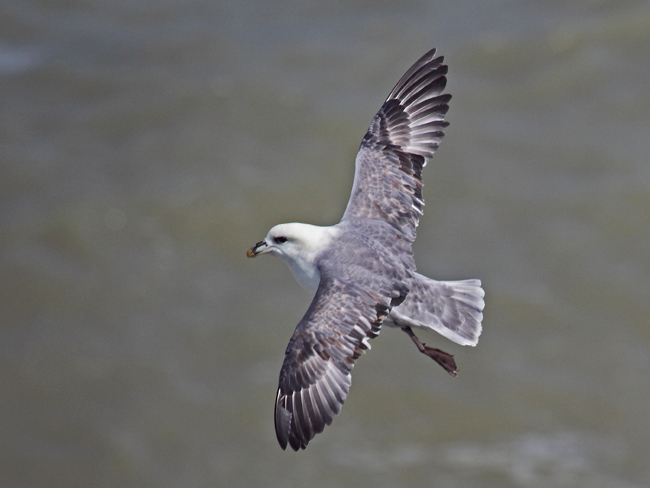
362, 270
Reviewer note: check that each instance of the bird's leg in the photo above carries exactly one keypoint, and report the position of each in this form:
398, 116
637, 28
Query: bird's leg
444, 359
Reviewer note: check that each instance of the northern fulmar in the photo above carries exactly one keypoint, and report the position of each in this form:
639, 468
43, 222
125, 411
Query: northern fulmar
362, 269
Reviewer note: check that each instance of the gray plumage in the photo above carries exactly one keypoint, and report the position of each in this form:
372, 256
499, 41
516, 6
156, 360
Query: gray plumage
362, 269
452, 308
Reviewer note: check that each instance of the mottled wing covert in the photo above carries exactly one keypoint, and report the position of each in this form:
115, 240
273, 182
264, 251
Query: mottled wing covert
315, 375
401, 138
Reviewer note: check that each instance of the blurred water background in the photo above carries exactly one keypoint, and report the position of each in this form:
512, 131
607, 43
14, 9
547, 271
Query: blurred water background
144, 146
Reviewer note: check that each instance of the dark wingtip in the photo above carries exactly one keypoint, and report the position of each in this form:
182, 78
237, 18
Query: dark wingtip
282, 422
295, 444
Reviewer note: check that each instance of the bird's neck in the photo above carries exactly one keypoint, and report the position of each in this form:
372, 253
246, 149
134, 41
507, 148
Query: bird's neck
305, 272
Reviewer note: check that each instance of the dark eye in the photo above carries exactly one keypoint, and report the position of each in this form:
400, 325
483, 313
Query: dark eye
280, 240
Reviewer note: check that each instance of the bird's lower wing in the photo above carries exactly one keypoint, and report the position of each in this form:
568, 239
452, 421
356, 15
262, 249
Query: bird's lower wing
315, 376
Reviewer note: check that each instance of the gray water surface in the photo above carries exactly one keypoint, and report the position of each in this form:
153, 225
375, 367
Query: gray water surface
144, 146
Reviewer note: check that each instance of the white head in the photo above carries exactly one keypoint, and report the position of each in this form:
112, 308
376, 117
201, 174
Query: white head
298, 245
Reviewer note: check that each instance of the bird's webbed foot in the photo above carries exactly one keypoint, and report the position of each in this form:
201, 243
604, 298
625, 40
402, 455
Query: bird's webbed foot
443, 358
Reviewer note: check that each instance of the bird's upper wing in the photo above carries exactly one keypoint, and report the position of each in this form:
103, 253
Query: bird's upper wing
315, 375
401, 138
